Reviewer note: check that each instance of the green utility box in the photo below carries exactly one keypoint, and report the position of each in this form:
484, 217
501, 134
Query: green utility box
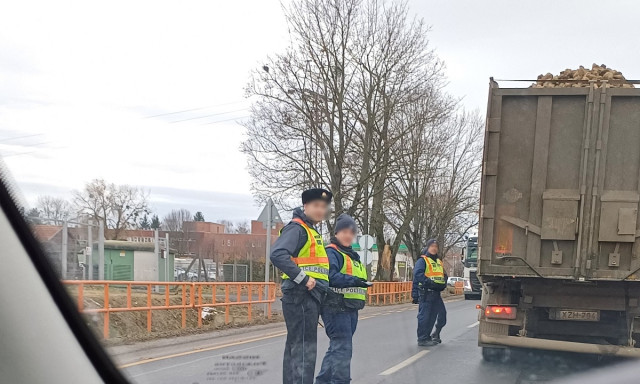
134, 261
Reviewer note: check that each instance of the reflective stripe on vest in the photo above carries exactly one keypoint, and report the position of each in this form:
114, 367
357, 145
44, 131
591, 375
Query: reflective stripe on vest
312, 258
434, 270
351, 268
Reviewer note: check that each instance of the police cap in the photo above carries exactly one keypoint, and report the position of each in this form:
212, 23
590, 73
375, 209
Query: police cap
316, 194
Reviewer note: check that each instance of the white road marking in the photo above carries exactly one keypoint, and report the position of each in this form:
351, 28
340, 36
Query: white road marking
201, 359
404, 364
473, 325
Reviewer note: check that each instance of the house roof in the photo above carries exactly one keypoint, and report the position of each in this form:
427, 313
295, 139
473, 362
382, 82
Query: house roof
129, 246
46, 232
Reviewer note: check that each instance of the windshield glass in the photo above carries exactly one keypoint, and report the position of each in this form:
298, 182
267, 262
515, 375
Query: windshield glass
288, 191
472, 254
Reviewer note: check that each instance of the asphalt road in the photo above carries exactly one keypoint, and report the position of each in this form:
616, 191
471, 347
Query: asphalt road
385, 351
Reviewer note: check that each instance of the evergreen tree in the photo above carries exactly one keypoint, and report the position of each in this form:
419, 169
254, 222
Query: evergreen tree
155, 222
198, 216
145, 223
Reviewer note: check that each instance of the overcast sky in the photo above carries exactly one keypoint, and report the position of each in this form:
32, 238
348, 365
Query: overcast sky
79, 83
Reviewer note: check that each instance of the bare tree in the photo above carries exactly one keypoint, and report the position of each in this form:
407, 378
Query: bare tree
174, 220
328, 109
54, 208
242, 227
229, 226
119, 206
450, 206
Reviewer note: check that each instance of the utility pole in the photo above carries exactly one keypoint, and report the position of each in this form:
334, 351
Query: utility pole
89, 251
267, 255
268, 217
64, 251
166, 258
101, 250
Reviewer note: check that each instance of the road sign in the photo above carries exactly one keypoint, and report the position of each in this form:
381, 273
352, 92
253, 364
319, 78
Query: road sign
367, 256
366, 241
264, 215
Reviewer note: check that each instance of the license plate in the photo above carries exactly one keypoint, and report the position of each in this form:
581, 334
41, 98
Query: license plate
576, 315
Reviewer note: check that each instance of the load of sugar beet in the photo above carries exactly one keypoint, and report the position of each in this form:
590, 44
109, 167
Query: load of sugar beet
582, 77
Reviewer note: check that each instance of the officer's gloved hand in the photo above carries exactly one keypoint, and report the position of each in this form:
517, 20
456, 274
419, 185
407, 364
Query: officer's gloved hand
363, 283
414, 301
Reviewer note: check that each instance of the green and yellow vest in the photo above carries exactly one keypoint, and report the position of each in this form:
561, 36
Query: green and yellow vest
351, 268
312, 258
434, 270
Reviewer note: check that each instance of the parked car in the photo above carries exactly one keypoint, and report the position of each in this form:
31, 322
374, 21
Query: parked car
180, 274
453, 280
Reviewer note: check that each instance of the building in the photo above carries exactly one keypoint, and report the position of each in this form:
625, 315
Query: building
134, 261
403, 266
209, 241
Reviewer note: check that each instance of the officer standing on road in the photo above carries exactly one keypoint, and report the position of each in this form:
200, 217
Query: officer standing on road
348, 278
299, 253
428, 281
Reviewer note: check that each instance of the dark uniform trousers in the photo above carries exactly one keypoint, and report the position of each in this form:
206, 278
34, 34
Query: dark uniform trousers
340, 325
301, 312
441, 313
430, 308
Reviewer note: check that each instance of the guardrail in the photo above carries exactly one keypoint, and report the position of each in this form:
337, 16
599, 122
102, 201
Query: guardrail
176, 296
383, 293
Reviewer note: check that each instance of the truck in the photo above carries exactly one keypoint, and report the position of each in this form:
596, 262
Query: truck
559, 235
471, 285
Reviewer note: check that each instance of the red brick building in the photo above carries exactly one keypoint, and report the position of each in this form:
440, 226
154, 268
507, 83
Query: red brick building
210, 241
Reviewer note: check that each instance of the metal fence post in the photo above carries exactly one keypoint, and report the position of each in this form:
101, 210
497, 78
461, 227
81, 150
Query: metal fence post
101, 250
64, 251
89, 260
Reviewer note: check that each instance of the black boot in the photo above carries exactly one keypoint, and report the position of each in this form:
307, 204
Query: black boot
427, 343
436, 336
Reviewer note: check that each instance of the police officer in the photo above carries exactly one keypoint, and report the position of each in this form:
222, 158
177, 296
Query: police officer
348, 278
299, 253
428, 281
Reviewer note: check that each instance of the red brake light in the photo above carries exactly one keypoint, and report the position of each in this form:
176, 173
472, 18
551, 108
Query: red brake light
500, 312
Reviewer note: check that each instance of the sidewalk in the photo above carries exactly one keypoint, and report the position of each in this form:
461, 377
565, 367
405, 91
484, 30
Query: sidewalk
131, 353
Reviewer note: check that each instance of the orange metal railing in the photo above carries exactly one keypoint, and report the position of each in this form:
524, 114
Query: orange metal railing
189, 296
459, 287
383, 293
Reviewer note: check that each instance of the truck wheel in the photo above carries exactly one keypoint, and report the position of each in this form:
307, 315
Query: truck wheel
494, 355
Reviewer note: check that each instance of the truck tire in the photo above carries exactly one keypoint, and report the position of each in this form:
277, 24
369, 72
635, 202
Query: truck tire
493, 354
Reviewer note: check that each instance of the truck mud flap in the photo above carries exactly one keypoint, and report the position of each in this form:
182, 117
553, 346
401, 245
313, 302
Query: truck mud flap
556, 345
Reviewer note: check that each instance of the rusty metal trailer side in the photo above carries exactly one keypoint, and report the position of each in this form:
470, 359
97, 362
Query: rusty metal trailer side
561, 184
559, 237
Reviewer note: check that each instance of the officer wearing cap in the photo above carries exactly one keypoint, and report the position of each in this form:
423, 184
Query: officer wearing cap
347, 278
429, 280
300, 254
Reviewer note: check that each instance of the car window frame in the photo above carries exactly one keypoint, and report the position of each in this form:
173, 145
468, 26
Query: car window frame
94, 351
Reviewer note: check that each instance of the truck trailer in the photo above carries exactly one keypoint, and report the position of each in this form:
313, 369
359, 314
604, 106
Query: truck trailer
559, 235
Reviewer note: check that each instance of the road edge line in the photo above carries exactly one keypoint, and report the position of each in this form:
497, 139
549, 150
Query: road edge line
186, 353
404, 363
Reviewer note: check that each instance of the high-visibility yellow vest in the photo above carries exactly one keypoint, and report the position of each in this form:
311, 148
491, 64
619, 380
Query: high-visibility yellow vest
312, 258
434, 270
351, 268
